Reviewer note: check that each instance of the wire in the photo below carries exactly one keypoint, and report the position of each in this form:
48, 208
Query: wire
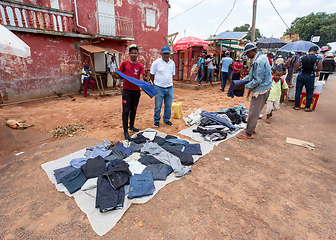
278, 14
186, 10
234, 3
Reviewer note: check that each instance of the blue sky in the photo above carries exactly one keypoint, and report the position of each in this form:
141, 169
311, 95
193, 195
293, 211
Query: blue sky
203, 20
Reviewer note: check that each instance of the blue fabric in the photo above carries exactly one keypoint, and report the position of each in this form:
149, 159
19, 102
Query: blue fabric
113, 163
121, 147
141, 185
159, 171
61, 172
166, 95
224, 76
306, 80
78, 162
148, 88
218, 120
99, 152
193, 149
74, 180
177, 141
260, 76
201, 62
107, 197
235, 84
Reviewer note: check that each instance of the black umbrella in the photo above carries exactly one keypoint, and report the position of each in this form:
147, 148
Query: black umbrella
270, 43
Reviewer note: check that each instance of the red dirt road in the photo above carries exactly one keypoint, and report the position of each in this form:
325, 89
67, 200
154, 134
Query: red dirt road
267, 190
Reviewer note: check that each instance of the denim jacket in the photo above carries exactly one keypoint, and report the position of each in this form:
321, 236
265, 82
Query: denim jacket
260, 76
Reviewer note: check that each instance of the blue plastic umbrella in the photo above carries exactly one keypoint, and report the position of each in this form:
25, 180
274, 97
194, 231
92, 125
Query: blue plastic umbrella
298, 46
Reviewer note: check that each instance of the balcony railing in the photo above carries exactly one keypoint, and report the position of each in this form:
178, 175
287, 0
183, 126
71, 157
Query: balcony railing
111, 25
27, 15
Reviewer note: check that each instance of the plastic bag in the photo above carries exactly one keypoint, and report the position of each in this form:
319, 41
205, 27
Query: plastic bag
177, 108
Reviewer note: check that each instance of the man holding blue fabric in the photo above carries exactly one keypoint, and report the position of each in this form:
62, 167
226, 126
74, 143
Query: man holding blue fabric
260, 82
161, 73
131, 92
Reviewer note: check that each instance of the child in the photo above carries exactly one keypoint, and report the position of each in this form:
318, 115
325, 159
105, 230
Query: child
278, 86
86, 72
284, 94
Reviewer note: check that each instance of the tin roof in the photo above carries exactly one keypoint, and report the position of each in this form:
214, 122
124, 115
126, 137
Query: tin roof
96, 49
230, 36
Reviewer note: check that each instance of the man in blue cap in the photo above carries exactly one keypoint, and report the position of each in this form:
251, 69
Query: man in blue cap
161, 73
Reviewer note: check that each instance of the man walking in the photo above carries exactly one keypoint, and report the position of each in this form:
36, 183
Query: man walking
201, 68
161, 73
309, 66
260, 82
210, 62
226, 63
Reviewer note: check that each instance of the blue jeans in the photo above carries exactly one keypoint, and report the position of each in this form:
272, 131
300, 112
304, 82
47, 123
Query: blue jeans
210, 75
306, 80
166, 95
224, 76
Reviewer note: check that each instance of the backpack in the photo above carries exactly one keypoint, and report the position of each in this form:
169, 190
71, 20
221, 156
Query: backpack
288, 62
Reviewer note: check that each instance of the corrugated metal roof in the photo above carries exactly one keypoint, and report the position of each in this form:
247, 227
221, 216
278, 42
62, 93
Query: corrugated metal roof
95, 49
230, 36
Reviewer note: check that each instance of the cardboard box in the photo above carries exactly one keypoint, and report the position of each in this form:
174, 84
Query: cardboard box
304, 98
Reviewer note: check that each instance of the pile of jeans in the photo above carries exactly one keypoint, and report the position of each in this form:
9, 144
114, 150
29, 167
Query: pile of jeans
106, 173
215, 126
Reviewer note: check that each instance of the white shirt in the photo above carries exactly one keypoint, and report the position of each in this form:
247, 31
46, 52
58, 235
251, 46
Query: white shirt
163, 72
210, 63
112, 66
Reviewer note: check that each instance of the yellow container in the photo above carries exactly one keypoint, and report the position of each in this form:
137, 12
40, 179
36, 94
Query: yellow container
177, 108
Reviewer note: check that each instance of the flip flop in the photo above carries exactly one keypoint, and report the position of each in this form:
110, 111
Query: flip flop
296, 108
267, 121
309, 110
244, 136
254, 131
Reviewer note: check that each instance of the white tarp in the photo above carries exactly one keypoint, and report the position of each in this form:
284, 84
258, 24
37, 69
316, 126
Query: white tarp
11, 44
103, 222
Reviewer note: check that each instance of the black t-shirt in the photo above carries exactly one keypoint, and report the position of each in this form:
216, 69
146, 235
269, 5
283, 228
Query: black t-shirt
308, 63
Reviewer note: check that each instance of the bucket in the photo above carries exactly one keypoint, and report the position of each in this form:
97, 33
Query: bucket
177, 108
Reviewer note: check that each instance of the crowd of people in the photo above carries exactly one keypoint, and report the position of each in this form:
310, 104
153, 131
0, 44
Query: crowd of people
268, 80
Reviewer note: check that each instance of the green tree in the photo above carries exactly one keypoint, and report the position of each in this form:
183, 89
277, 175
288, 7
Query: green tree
247, 28
319, 24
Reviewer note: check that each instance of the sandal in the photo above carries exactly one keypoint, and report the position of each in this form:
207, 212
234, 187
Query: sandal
254, 131
296, 108
244, 136
267, 121
309, 110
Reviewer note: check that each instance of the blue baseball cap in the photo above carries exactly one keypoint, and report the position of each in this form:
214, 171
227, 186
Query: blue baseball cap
165, 49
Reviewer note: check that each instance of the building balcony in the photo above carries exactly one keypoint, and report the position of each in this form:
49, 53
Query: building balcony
34, 18
113, 26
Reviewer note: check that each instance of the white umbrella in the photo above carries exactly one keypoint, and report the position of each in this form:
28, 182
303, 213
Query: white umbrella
11, 44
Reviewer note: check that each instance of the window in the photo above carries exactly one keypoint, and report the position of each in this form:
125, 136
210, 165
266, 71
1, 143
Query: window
150, 18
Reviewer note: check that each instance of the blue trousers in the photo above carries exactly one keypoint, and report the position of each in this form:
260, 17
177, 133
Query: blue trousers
306, 80
166, 95
210, 75
224, 76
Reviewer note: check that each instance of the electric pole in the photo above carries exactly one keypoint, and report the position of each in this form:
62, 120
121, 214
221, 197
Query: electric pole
254, 16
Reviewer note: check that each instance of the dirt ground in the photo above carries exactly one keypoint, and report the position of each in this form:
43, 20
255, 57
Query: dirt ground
267, 190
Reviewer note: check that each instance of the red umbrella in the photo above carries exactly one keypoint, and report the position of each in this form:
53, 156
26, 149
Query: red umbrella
186, 42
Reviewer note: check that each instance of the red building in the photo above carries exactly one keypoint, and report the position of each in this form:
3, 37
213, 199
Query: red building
55, 30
